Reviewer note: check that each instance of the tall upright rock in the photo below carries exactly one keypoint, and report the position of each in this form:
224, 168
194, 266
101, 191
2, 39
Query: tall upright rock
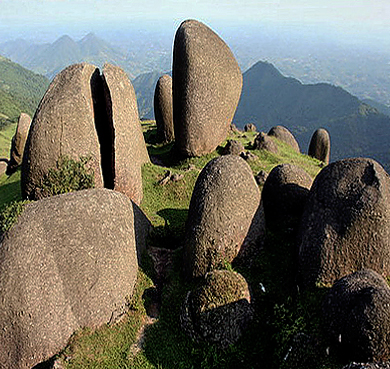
128, 149
18, 142
207, 84
319, 147
163, 109
63, 124
223, 215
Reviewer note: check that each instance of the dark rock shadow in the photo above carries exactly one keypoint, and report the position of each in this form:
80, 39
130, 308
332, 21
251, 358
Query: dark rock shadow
254, 240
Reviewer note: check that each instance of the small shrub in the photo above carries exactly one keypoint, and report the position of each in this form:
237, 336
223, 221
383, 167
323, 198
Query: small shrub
10, 213
69, 175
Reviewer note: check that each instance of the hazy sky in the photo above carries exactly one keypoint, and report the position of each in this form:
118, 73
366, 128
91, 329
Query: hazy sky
347, 15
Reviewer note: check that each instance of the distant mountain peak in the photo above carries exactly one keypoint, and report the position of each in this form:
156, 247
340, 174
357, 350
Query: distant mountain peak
89, 37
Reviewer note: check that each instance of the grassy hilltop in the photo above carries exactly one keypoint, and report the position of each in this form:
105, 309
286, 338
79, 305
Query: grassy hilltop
150, 335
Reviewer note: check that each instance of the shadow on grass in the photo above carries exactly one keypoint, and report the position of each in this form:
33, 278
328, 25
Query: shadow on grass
170, 235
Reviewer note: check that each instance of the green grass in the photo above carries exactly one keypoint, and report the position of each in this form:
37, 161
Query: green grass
280, 312
6, 135
10, 188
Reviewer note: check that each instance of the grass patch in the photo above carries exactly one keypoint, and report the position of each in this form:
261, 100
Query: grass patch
10, 188
6, 134
69, 175
10, 213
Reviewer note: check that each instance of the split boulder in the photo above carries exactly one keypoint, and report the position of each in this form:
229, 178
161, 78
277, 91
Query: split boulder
207, 84
63, 125
70, 261
128, 148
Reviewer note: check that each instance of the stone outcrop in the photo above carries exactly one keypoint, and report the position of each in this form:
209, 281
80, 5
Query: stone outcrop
163, 109
319, 147
128, 145
219, 310
207, 84
233, 147
357, 317
222, 214
283, 134
284, 196
70, 261
18, 142
264, 142
86, 114
345, 225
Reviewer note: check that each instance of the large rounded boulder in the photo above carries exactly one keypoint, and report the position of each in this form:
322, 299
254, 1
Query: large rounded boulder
207, 84
18, 142
63, 124
70, 261
128, 148
346, 222
319, 147
284, 196
357, 317
163, 109
222, 215
86, 114
283, 134
219, 310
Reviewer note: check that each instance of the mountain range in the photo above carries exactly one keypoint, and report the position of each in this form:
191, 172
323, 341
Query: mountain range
357, 129
50, 58
20, 90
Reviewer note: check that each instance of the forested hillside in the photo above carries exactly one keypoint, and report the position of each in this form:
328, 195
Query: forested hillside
20, 90
356, 129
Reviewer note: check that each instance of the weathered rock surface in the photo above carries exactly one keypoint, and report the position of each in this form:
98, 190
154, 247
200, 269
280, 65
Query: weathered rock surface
357, 316
69, 261
207, 84
219, 310
283, 134
63, 125
319, 147
264, 142
86, 114
128, 148
163, 109
222, 214
18, 143
233, 147
284, 196
345, 225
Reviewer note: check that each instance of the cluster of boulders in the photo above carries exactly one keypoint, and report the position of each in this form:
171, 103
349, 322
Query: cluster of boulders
71, 261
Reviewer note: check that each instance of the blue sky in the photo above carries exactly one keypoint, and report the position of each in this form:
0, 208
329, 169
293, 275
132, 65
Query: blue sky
345, 15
